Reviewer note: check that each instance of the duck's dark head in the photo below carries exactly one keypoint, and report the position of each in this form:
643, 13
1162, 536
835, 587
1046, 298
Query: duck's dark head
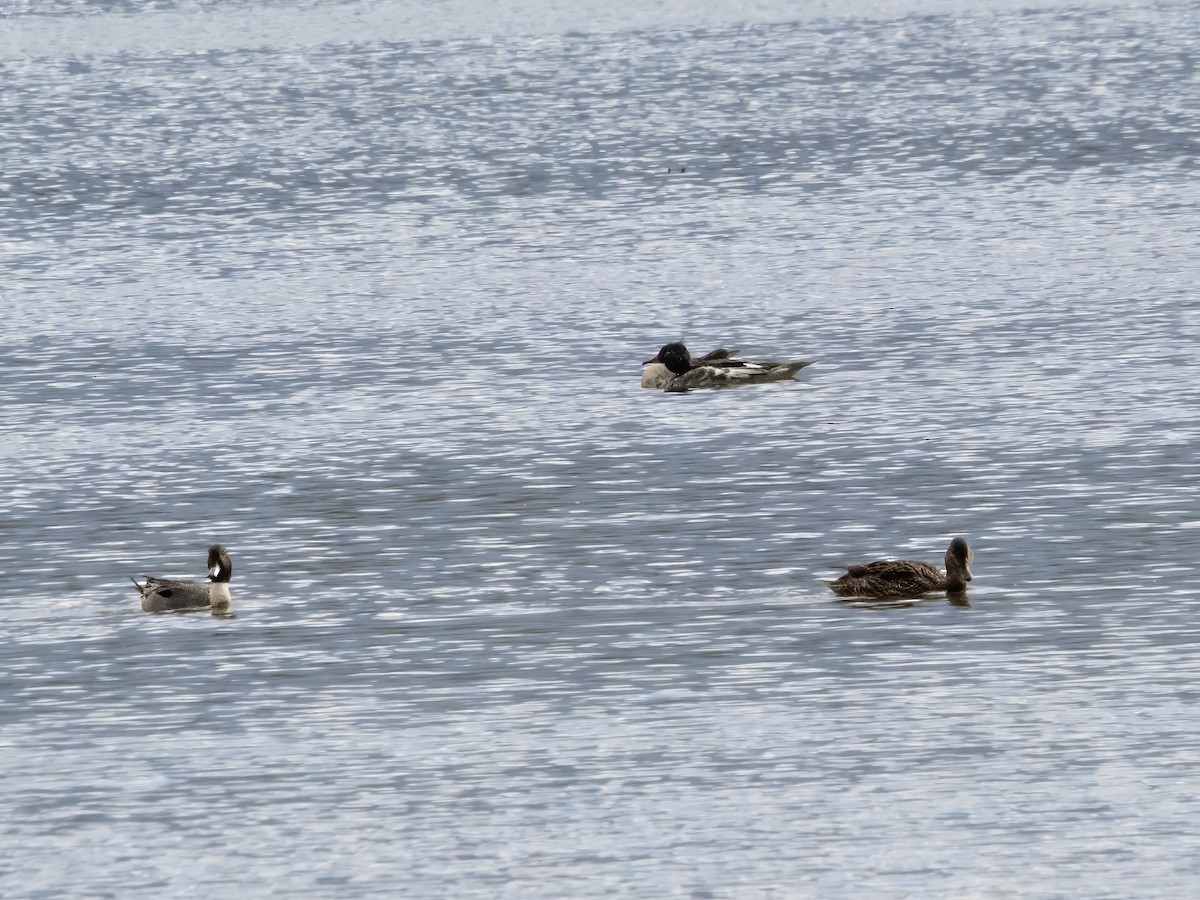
675, 357
958, 561
220, 567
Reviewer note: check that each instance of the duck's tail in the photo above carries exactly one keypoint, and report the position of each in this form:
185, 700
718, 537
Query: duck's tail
141, 588
789, 370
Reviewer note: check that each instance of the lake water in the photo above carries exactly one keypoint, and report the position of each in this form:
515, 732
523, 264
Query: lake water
360, 290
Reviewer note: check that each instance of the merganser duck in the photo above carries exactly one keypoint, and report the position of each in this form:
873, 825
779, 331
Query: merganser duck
675, 369
162, 594
907, 577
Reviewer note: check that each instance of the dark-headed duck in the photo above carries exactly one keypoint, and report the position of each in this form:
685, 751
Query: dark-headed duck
163, 594
675, 369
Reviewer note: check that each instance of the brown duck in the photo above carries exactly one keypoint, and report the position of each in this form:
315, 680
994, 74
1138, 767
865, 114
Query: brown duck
908, 577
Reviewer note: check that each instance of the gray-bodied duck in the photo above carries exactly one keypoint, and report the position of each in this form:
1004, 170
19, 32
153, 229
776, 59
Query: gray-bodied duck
163, 594
675, 369
908, 577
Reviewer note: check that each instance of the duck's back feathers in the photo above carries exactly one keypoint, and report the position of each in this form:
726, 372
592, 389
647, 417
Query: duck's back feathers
734, 373
889, 578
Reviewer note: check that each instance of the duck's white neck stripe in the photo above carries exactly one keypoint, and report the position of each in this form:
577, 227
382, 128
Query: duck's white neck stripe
218, 594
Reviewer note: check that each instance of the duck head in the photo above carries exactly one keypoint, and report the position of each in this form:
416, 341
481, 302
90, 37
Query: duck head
675, 357
958, 564
220, 567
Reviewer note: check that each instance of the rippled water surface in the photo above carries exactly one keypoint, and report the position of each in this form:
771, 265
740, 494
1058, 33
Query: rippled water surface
365, 302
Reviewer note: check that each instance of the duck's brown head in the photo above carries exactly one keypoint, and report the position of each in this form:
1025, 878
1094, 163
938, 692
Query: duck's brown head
958, 564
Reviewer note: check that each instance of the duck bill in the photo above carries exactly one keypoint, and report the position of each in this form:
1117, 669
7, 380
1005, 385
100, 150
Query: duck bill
214, 571
654, 359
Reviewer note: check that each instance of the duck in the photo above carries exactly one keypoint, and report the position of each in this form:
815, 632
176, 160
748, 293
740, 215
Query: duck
674, 369
908, 577
163, 594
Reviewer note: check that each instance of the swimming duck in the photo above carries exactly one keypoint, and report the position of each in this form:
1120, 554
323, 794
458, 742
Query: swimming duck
907, 577
675, 369
162, 594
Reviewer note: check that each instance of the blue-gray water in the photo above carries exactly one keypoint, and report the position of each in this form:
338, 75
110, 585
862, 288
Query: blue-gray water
361, 292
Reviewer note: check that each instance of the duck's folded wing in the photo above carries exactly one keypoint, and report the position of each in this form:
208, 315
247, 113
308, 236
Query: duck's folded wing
758, 373
888, 578
175, 594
